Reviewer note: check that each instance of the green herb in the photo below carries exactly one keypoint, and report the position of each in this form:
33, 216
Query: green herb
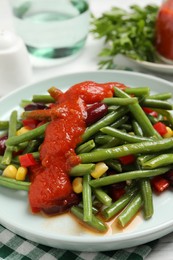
130, 33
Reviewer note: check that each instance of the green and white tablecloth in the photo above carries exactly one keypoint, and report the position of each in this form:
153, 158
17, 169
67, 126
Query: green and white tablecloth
13, 247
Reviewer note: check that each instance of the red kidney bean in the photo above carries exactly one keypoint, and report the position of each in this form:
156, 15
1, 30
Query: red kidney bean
169, 177
61, 206
35, 106
95, 112
2, 144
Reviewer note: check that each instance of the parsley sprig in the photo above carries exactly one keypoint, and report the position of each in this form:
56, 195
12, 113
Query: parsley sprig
130, 33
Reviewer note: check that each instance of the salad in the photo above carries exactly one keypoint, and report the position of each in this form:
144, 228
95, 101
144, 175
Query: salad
98, 150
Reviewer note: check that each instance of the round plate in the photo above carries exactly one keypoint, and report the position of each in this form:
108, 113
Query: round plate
157, 67
64, 231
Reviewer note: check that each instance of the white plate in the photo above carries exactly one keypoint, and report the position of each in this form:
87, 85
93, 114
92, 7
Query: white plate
154, 66
63, 231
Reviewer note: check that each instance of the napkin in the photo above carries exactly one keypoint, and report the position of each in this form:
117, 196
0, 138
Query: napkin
14, 247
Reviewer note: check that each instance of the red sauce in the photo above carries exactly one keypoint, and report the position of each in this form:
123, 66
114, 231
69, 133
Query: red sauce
164, 30
51, 189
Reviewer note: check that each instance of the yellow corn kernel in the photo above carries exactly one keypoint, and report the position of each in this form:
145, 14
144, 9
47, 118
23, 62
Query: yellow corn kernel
22, 130
10, 171
77, 185
100, 169
169, 132
21, 173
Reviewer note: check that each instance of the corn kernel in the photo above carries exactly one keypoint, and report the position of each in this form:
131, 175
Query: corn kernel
100, 169
169, 133
10, 171
77, 185
22, 130
21, 173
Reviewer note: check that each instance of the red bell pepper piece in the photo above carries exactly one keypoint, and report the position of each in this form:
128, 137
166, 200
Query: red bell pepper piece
160, 128
159, 183
128, 159
27, 160
31, 123
150, 111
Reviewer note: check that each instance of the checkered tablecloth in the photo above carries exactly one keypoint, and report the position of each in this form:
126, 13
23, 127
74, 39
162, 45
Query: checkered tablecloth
13, 247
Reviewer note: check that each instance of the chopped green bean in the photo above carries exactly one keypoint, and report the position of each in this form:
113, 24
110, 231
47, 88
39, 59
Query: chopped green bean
136, 128
114, 164
120, 204
139, 115
154, 103
138, 92
124, 136
82, 169
43, 99
130, 211
158, 161
11, 133
161, 96
32, 134
138, 174
126, 149
102, 196
119, 101
95, 222
147, 197
87, 199
85, 147
106, 120
14, 184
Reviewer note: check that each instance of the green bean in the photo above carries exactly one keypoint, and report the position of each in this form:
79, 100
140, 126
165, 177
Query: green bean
120, 121
11, 132
167, 114
152, 119
154, 103
139, 115
102, 196
32, 134
14, 184
124, 136
138, 92
158, 161
136, 128
114, 164
106, 120
25, 102
31, 147
4, 125
94, 209
111, 143
85, 147
147, 197
119, 101
126, 127
130, 211
43, 99
143, 158
120, 204
87, 198
126, 149
95, 222
138, 174
162, 96
82, 169
103, 139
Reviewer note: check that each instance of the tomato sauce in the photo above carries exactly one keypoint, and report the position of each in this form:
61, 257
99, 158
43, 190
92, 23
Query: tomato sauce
164, 30
51, 189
